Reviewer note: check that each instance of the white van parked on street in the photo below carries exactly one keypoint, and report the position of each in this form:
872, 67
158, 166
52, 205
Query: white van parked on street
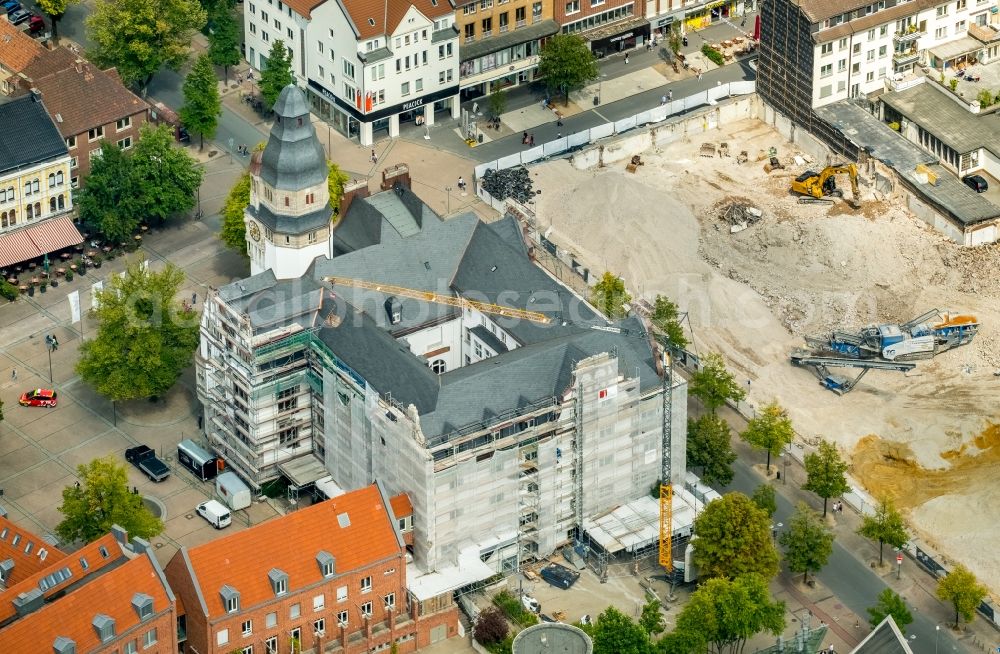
216, 513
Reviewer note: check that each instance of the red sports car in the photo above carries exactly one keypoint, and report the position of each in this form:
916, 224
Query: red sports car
39, 397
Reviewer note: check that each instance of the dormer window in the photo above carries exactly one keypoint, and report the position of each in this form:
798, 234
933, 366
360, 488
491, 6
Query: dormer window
279, 581
230, 598
105, 627
143, 606
327, 564
63, 645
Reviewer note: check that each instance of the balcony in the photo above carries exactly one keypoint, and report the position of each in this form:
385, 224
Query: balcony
909, 35
908, 57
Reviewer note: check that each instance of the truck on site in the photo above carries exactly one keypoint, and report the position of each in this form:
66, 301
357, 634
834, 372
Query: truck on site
884, 347
815, 188
233, 491
144, 458
215, 513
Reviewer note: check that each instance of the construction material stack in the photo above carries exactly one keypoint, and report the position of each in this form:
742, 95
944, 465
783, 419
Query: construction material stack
884, 347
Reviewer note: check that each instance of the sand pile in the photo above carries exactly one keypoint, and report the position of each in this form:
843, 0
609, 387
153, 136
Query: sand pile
805, 269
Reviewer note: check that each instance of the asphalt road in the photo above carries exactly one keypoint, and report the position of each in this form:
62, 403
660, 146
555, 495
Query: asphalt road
850, 579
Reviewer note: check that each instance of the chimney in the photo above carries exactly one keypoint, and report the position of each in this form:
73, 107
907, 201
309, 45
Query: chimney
356, 188
78, 64
398, 175
36, 95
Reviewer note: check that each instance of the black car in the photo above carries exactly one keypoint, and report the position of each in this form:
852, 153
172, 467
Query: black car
559, 576
976, 182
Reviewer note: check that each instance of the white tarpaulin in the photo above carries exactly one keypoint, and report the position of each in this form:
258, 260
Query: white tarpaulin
74, 306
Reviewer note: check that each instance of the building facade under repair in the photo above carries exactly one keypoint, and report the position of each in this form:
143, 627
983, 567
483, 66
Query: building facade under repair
506, 433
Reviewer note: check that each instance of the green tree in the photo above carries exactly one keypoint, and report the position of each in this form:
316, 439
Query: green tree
666, 318
224, 38
103, 499
713, 384
733, 537
234, 229
890, 603
763, 497
202, 103
651, 620
885, 525
567, 63
708, 448
826, 473
55, 10
138, 37
277, 74
107, 201
963, 590
335, 181
144, 339
609, 296
808, 542
616, 633
770, 430
723, 614
165, 177
497, 102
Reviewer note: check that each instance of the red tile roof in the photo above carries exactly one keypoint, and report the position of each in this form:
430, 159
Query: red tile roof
376, 17
91, 553
26, 564
290, 544
401, 505
304, 7
72, 615
83, 96
17, 49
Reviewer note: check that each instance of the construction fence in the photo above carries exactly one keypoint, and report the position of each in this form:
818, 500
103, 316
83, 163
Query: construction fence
577, 140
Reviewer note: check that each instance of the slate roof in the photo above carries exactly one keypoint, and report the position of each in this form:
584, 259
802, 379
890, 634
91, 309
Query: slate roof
401, 242
886, 638
293, 158
506, 40
29, 136
290, 543
71, 616
956, 127
376, 17
868, 132
487, 337
291, 224
86, 98
25, 563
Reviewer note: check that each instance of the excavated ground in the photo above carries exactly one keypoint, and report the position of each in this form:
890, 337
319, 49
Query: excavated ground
927, 438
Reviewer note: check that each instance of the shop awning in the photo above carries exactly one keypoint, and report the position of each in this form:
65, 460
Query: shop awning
31, 242
957, 48
613, 29
303, 471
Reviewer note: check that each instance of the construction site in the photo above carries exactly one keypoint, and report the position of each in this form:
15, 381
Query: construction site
776, 265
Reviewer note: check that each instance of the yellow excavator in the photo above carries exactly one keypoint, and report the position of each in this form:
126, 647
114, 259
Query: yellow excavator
815, 187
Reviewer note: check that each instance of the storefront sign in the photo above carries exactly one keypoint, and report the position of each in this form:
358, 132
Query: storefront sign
372, 116
621, 37
665, 21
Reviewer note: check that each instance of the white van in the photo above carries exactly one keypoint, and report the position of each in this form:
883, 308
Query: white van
216, 513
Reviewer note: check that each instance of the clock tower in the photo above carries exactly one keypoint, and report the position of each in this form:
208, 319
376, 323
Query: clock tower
288, 218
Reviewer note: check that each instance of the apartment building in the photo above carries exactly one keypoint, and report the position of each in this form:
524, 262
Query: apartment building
109, 597
815, 52
367, 66
35, 195
330, 577
500, 42
609, 26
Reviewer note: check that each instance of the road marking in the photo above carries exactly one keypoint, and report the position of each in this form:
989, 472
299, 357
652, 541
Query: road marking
605, 118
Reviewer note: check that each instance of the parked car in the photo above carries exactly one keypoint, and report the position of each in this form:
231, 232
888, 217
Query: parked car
976, 182
530, 603
39, 397
36, 24
144, 458
19, 16
11, 7
559, 576
216, 513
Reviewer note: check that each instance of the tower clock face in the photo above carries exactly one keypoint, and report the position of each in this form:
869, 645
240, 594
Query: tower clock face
254, 231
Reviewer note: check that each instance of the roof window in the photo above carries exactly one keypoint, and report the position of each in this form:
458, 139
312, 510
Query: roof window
104, 625
279, 581
327, 564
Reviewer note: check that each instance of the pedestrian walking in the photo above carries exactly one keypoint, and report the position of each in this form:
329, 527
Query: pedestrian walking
626, 58
239, 78
558, 135
194, 299
461, 184
531, 140
524, 139
13, 374
374, 157
55, 343
699, 74
670, 96
663, 99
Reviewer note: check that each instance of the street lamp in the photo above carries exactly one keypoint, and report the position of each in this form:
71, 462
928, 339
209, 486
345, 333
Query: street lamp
787, 454
600, 88
937, 632
50, 344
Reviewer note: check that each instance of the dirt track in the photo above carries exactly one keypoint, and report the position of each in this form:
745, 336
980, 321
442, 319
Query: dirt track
924, 437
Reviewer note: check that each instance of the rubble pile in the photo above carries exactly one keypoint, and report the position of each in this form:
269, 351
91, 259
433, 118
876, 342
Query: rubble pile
509, 183
740, 216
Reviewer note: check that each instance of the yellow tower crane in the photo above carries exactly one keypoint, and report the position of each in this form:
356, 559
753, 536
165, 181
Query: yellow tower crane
438, 298
666, 489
